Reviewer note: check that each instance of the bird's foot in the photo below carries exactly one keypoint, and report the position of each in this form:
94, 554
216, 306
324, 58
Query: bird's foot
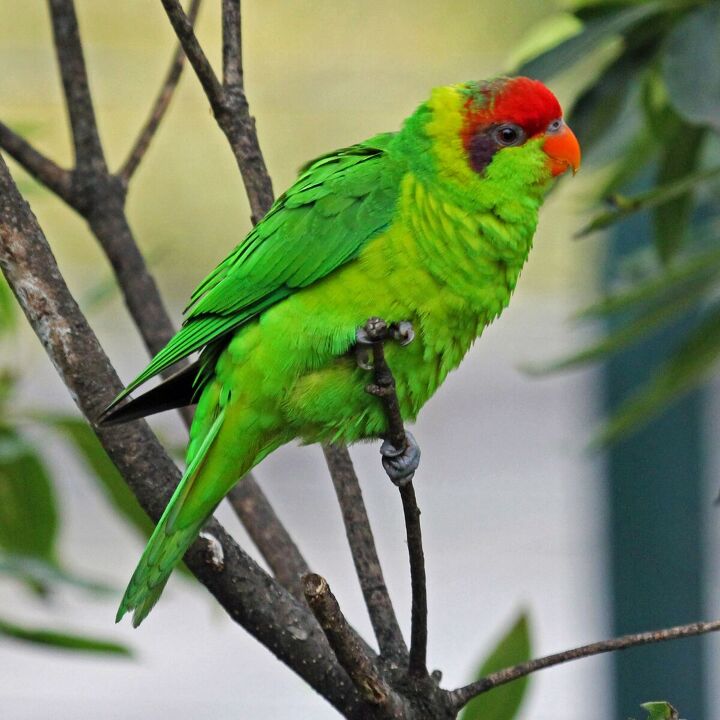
400, 465
376, 330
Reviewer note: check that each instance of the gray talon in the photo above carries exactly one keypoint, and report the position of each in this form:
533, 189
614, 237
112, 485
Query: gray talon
404, 332
400, 465
361, 337
363, 356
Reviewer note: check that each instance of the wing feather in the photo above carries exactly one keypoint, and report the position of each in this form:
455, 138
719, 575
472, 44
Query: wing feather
338, 203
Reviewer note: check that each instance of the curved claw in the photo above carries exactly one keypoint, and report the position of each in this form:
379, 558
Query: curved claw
362, 337
363, 357
363, 354
400, 465
404, 332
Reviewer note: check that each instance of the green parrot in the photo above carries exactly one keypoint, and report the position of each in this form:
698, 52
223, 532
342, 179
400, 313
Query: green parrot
428, 228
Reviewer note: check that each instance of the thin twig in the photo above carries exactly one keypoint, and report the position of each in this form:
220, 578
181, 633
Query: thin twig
249, 595
159, 108
228, 102
43, 169
384, 388
463, 695
269, 535
364, 554
350, 653
232, 44
86, 140
195, 54
418, 581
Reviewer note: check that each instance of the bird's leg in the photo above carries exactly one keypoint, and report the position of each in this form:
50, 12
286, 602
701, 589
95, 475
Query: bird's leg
400, 465
400, 451
376, 330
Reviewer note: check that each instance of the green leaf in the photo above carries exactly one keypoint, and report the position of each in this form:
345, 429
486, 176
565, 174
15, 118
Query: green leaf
691, 66
595, 111
636, 155
503, 702
8, 308
673, 304
40, 574
690, 365
28, 515
660, 711
625, 206
595, 32
675, 279
679, 159
80, 434
61, 640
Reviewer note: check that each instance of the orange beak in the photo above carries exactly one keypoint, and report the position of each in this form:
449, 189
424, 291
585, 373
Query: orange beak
563, 151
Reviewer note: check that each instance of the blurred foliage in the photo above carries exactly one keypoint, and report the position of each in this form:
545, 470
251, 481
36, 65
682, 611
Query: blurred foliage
503, 702
660, 711
64, 641
653, 110
29, 518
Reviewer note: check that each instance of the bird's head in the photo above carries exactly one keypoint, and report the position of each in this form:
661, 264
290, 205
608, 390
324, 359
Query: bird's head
510, 130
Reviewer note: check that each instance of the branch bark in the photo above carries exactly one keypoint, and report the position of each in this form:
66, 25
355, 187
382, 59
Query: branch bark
269, 535
249, 595
55, 178
364, 554
350, 653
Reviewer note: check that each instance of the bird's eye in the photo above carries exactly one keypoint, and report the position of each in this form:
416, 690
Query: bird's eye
555, 126
508, 135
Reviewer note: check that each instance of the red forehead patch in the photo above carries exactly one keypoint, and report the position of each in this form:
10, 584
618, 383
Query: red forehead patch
525, 102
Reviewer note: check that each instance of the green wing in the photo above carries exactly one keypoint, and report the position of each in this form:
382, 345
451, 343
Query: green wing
339, 201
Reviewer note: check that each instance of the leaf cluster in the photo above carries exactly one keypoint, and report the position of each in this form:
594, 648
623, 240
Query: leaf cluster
652, 113
29, 518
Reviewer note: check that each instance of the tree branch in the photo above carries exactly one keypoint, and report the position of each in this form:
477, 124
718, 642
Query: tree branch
463, 695
159, 108
232, 44
378, 332
86, 140
195, 54
269, 535
250, 596
364, 553
101, 202
55, 178
228, 102
350, 653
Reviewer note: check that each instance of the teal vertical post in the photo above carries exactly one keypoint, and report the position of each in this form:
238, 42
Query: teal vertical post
655, 496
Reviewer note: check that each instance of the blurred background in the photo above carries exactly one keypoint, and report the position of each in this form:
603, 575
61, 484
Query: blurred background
520, 513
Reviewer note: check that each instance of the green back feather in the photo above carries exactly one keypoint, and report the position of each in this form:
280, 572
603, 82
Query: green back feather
339, 202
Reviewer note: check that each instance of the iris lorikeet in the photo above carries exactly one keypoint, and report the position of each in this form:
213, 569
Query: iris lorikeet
431, 225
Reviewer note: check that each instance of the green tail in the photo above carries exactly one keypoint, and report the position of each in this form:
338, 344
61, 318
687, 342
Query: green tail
172, 536
163, 552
